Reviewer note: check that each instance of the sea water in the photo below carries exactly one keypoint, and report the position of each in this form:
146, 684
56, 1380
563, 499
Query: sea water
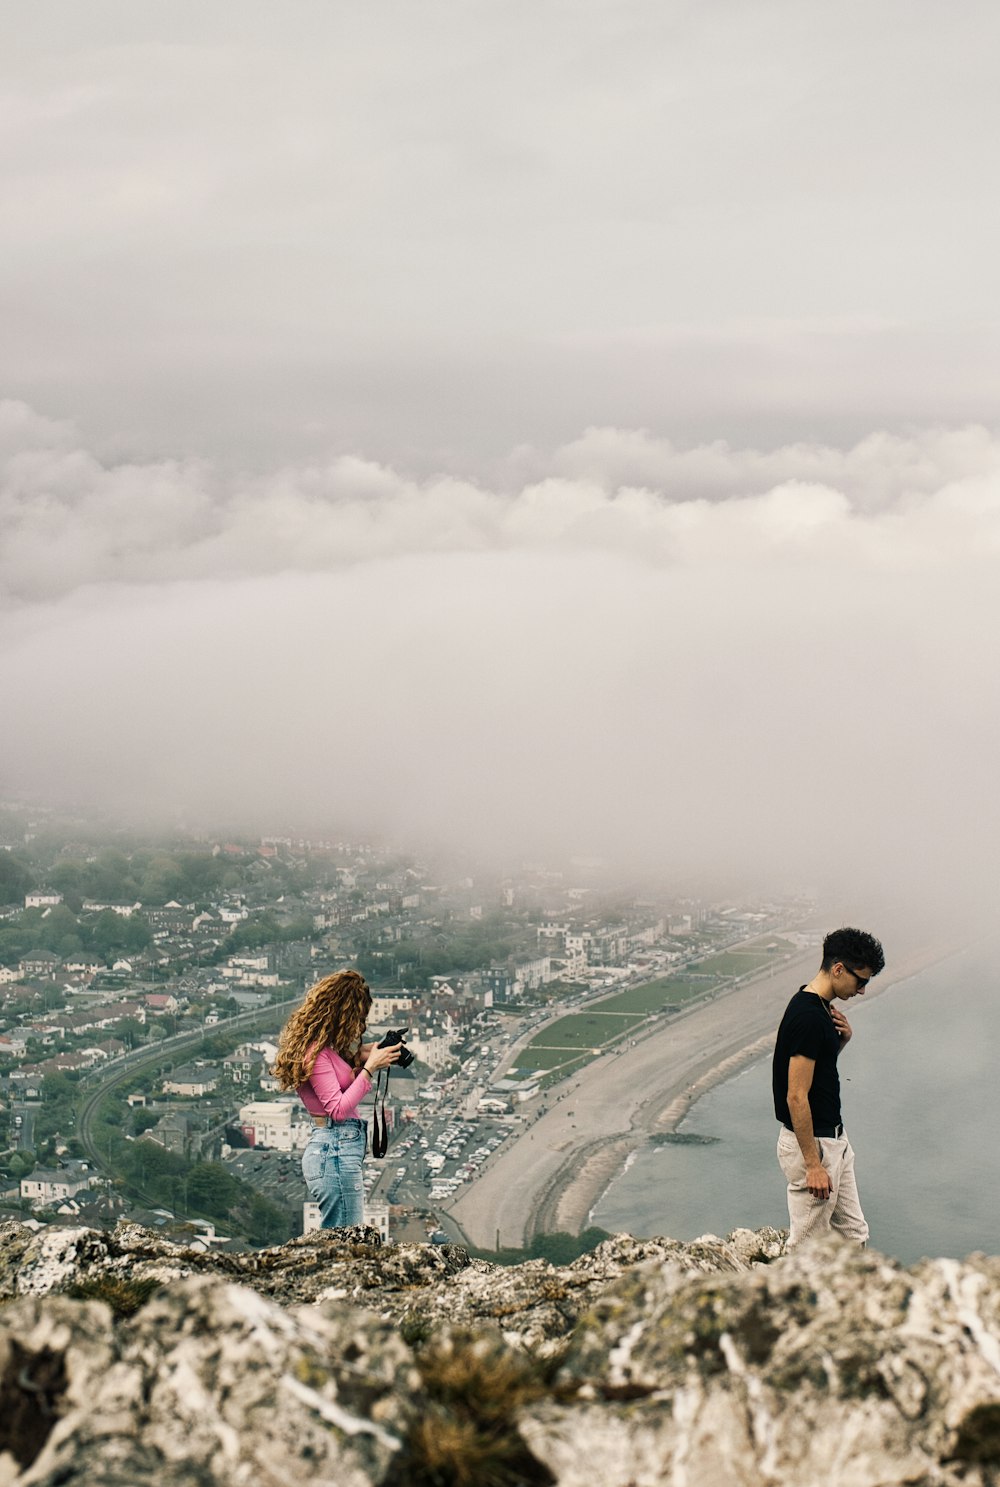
920, 1092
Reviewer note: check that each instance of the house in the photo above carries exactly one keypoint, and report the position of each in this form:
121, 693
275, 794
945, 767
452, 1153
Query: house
107, 1048
160, 1003
40, 963
245, 1065
249, 999
26, 1082
431, 1041
50, 1185
442, 986
531, 972
172, 919
104, 1016
69, 1063
124, 911
172, 1131
192, 1081
83, 964
249, 971
42, 898
385, 1004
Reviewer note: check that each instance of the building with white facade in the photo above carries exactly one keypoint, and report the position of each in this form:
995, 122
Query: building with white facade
47, 1185
376, 1217
281, 1125
44, 898
192, 1081
385, 1004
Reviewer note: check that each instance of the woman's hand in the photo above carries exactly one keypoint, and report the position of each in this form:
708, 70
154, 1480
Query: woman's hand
363, 1052
380, 1058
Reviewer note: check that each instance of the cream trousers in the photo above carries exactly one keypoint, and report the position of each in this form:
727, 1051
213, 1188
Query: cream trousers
808, 1216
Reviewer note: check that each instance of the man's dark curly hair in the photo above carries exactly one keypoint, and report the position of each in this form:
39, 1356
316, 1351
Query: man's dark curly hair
854, 948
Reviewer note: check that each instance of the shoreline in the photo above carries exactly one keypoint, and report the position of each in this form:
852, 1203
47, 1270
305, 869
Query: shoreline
554, 1175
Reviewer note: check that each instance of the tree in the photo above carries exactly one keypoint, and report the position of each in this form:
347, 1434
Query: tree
15, 942
15, 878
137, 932
104, 932
161, 878
264, 1221
130, 1031
59, 924
68, 878
110, 877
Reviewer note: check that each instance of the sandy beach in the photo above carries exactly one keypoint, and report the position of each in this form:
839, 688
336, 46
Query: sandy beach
551, 1177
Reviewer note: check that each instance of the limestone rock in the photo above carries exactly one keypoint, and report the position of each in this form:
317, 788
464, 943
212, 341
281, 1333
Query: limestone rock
417, 1286
207, 1383
126, 1360
833, 1366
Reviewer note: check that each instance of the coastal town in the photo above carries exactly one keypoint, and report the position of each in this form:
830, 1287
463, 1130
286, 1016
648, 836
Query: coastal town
144, 980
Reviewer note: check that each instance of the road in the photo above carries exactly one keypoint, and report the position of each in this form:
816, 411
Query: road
22, 1132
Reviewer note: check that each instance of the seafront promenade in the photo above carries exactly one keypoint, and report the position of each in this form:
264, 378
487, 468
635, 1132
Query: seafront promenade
551, 1177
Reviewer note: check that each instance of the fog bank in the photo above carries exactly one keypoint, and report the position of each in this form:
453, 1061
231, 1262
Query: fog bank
771, 662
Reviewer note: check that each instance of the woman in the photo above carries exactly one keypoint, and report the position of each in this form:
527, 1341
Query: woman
320, 1054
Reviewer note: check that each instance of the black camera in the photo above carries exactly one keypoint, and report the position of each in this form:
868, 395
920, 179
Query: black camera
392, 1037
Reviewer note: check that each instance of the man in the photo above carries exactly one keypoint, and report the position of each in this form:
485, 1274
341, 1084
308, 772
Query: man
813, 1150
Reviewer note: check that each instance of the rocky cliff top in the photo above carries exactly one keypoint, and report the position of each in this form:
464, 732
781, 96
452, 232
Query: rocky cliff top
125, 1359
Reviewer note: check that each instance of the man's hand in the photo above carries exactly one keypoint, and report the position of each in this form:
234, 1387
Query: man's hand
818, 1182
842, 1025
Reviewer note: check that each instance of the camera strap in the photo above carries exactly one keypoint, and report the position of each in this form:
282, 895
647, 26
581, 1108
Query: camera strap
380, 1131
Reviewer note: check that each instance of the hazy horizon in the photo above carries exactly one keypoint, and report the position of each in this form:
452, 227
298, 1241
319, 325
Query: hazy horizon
541, 430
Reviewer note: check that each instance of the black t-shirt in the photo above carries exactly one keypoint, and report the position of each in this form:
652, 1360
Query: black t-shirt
807, 1028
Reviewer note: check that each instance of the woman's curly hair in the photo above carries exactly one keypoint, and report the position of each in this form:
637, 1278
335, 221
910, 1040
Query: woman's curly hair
333, 1015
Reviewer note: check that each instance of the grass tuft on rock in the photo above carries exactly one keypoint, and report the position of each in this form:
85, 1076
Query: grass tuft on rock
467, 1435
124, 1295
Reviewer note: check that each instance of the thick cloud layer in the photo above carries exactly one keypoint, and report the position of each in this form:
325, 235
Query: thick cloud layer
772, 663
888, 504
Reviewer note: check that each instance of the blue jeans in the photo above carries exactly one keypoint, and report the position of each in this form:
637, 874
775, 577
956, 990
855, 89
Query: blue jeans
331, 1166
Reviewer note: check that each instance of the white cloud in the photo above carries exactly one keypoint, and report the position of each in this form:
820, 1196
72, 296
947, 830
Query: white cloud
887, 503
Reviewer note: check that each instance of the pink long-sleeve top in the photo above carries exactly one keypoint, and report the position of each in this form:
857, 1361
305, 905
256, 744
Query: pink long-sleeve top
332, 1088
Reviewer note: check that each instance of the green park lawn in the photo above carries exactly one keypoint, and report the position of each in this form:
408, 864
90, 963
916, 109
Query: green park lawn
738, 962
669, 990
577, 1034
587, 1029
533, 1059
570, 1042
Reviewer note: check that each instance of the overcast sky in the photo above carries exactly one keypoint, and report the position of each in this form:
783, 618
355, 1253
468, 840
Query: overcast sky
545, 425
